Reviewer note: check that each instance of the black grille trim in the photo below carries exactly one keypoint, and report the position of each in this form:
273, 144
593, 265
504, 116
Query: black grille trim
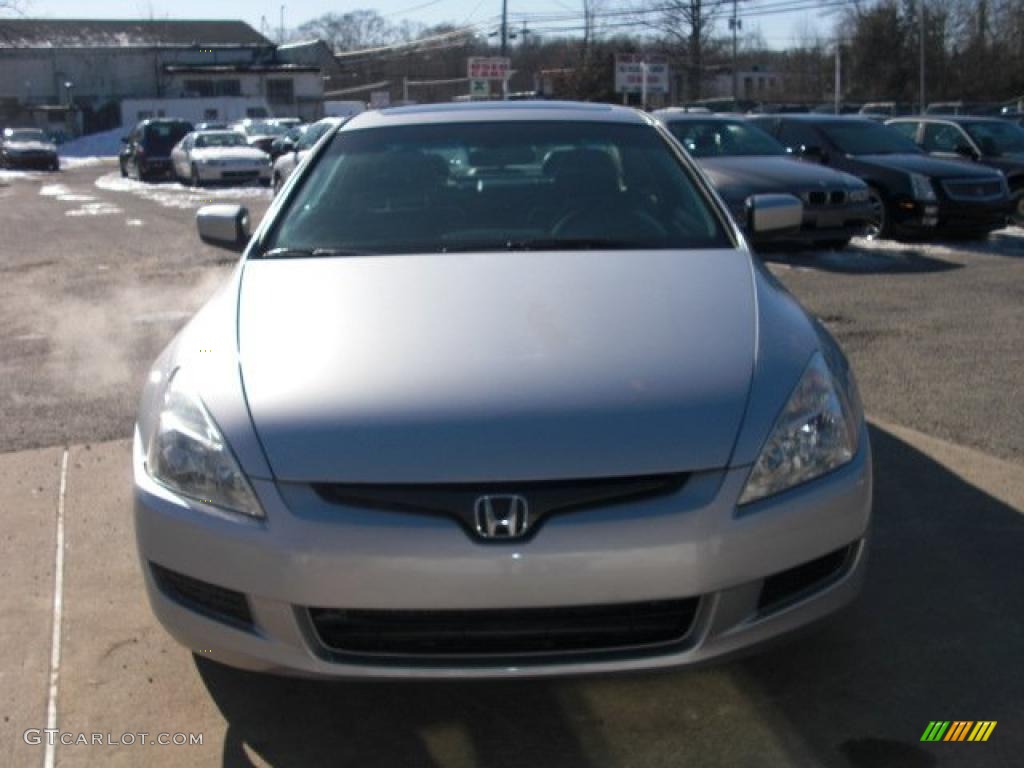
223, 605
496, 636
789, 586
545, 498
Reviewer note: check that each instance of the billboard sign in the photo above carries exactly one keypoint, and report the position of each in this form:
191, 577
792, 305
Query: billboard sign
629, 73
489, 67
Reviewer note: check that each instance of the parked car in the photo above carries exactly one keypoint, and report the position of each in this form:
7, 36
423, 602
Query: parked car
219, 156
742, 160
261, 132
292, 154
453, 417
147, 149
876, 109
28, 148
911, 193
989, 141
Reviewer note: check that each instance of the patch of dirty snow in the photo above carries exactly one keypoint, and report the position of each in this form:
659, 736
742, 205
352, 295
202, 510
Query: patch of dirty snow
95, 209
171, 194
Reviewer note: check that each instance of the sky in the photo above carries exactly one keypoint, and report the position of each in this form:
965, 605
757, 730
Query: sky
778, 29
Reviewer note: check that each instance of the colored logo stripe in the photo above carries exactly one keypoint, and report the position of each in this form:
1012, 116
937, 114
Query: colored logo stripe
958, 730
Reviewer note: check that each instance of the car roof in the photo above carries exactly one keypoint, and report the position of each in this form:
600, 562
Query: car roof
937, 118
498, 111
669, 115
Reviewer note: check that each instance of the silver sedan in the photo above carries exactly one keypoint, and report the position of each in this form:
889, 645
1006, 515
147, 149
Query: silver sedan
498, 390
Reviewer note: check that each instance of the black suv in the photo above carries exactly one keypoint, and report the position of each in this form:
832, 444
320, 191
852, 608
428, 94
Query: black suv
147, 149
912, 193
989, 141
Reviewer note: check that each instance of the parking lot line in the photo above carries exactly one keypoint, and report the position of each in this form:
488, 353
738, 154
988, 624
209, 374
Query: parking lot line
49, 755
29, 487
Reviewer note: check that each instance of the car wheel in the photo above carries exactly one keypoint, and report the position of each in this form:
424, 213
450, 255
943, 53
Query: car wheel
1018, 208
55, 165
878, 222
124, 171
277, 183
194, 179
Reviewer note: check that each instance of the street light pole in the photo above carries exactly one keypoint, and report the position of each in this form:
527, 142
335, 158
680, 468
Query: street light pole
734, 25
839, 77
920, 6
504, 27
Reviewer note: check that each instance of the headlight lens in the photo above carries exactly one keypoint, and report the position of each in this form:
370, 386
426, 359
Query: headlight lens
922, 187
188, 454
859, 195
815, 433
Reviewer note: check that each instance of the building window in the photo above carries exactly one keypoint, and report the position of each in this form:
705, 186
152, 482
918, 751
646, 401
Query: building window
210, 114
280, 91
201, 88
229, 87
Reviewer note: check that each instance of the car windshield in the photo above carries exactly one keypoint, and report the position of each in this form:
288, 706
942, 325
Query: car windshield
997, 138
27, 134
225, 139
518, 185
862, 137
161, 137
720, 138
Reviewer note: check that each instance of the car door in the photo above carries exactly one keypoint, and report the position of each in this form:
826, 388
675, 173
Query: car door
180, 156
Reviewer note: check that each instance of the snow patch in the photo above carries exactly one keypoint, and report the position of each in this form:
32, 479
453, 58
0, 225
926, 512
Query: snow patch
171, 194
94, 209
133, 222
92, 147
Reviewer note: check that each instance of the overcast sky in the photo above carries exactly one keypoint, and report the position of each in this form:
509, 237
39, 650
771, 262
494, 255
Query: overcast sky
778, 29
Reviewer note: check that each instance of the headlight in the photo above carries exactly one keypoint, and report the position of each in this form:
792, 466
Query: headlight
859, 195
188, 454
921, 187
815, 433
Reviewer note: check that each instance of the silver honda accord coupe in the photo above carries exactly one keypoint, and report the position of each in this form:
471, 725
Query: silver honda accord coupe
498, 390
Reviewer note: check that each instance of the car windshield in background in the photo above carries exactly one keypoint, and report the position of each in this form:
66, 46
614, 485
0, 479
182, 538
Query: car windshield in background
496, 186
861, 137
27, 135
161, 137
997, 138
225, 139
718, 138
265, 129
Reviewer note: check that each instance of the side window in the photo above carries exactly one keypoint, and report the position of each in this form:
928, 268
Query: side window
311, 137
907, 129
797, 135
942, 138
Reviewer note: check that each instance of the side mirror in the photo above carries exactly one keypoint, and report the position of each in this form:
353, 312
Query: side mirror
774, 213
225, 226
814, 154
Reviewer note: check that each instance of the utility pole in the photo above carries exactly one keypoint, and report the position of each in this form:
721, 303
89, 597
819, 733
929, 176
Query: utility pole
839, 76
504, 27
280, 34
735, 25
920, 5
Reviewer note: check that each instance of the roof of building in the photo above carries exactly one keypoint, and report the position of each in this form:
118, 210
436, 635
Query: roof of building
127, 33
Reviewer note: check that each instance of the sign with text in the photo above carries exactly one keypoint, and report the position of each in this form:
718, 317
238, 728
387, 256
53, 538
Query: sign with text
629, 73
489, 67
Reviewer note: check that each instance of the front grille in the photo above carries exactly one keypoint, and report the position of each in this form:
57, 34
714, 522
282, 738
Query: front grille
240, 174
815, 198
545, 498
837, 197
821, 197
790, 585
218, 603
969, 189
494, 634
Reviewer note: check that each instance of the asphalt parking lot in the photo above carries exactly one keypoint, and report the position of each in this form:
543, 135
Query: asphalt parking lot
97, 273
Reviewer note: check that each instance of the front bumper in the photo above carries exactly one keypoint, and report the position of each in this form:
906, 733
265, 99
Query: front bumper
823, 224
234, 174
35, 161
945, 216
691, 544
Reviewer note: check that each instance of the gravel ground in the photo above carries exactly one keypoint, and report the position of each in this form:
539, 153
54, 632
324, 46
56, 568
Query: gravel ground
97, 273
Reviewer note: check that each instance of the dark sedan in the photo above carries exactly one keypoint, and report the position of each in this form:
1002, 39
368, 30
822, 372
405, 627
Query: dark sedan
989, 141
913, 194
741, 160
27, 148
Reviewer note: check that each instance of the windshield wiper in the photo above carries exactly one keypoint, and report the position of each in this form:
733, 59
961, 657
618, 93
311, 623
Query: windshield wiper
311, 253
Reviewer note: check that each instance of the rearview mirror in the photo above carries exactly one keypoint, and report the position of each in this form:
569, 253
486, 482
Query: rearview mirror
225, 226
774, 213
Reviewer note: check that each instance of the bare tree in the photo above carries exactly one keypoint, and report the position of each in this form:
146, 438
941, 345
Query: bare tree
357, 29
685, 24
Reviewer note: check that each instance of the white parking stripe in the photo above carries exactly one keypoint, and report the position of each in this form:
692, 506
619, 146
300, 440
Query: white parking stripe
58, 609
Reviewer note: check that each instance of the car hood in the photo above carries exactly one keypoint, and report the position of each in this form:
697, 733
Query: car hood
30, 146
929, 166
497, 366
228, 153
767, 174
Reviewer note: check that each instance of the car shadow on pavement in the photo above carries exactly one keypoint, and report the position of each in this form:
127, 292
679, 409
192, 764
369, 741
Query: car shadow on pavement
937, 634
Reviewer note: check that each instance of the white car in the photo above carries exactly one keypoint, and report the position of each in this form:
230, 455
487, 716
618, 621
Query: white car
295, 152
219, 156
